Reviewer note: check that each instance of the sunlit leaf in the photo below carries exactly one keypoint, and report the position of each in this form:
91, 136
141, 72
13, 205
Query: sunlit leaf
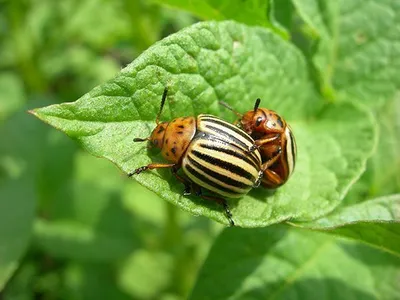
224, 61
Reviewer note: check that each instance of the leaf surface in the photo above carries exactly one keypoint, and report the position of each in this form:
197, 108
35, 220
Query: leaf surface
250, 12
16, 215
376, 222
287, 263
215, 61
358, 55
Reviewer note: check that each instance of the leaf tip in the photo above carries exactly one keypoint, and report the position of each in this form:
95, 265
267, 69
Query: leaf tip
32, 112
35, 112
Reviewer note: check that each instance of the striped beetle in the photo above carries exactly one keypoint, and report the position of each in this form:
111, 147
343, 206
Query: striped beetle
213, 154
274, 139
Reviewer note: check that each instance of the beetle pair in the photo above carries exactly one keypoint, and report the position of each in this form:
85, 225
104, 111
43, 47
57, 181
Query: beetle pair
222, 157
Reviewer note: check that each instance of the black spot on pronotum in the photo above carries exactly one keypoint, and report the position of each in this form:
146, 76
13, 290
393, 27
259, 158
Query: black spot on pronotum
167, 153
274, 124
161, 129
173, 150
180, 132
166, 141
181, 126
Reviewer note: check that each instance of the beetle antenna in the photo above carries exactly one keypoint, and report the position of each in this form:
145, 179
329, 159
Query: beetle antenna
164, 96
226, 105
257, 104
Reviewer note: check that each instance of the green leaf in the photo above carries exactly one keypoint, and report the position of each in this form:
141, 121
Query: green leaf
90, 281
87, 219
21, 157
75, 241
17, 203
280, 15
11, 93
154, 277
20, 287
287, 263
358, 54
224, 61
250, 12
376, 222
384, 166
382, 176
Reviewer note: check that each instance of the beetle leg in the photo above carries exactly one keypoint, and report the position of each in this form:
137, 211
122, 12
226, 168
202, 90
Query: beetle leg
253, 148
257, 183
186, 183
271, 161
150, 167
260, 142
269, 151
220, 201
197, 190
271, 179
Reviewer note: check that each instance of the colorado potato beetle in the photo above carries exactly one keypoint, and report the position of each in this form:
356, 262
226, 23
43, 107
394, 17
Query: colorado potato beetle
274, 139
213, 154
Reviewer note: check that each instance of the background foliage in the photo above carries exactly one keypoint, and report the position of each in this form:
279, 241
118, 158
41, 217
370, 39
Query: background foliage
73, 226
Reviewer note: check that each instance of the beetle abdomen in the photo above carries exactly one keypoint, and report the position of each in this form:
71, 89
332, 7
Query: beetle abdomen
217, 158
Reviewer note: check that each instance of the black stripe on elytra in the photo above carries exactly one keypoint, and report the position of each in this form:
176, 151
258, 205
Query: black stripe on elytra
224, 165
214, 138
204, 179
230, 126
225, 133
233, 153
293, 146
218, 176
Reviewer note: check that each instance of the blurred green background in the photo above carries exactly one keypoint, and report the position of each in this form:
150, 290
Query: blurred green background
90, 232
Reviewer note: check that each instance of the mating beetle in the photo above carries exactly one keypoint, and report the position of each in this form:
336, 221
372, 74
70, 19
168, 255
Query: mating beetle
274, 139
213, 154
